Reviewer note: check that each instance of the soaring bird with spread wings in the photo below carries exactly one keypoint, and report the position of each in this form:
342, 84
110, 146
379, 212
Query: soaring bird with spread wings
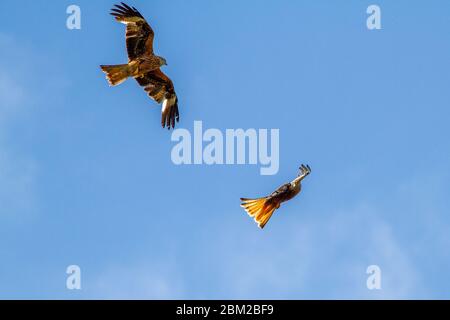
261, 209
143, 64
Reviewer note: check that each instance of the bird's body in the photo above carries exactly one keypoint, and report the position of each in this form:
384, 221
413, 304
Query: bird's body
147, 64
261, 209
143, 65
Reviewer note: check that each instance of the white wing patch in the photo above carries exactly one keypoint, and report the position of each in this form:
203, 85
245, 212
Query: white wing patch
167, 103
164, 105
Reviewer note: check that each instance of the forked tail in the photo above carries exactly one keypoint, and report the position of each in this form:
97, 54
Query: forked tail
116, 74
259, 209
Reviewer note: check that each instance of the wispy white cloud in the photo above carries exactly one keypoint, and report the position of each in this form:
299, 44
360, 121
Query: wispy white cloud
11, 94
142, 280
17, 172
324, 257
360, 237
17, 182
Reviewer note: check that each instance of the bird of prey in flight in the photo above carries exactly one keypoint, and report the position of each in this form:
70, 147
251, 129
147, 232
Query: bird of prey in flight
261, 209
143, 65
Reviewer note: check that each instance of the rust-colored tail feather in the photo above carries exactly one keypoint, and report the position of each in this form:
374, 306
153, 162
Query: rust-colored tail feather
258, 209
116, 74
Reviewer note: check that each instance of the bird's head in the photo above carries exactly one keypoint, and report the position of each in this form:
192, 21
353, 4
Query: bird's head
162, 61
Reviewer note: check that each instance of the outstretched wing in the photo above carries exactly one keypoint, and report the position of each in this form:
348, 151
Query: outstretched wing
139, 34
280, 193
160, 88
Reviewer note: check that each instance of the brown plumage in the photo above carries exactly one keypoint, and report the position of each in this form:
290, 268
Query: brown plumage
143, 64
261, 209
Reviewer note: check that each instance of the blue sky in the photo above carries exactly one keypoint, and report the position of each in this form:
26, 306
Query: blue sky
86, 176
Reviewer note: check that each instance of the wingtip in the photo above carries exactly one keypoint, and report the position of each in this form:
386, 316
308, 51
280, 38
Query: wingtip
170, 117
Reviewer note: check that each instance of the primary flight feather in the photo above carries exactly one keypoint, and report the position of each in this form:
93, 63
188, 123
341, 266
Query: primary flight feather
143, 65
